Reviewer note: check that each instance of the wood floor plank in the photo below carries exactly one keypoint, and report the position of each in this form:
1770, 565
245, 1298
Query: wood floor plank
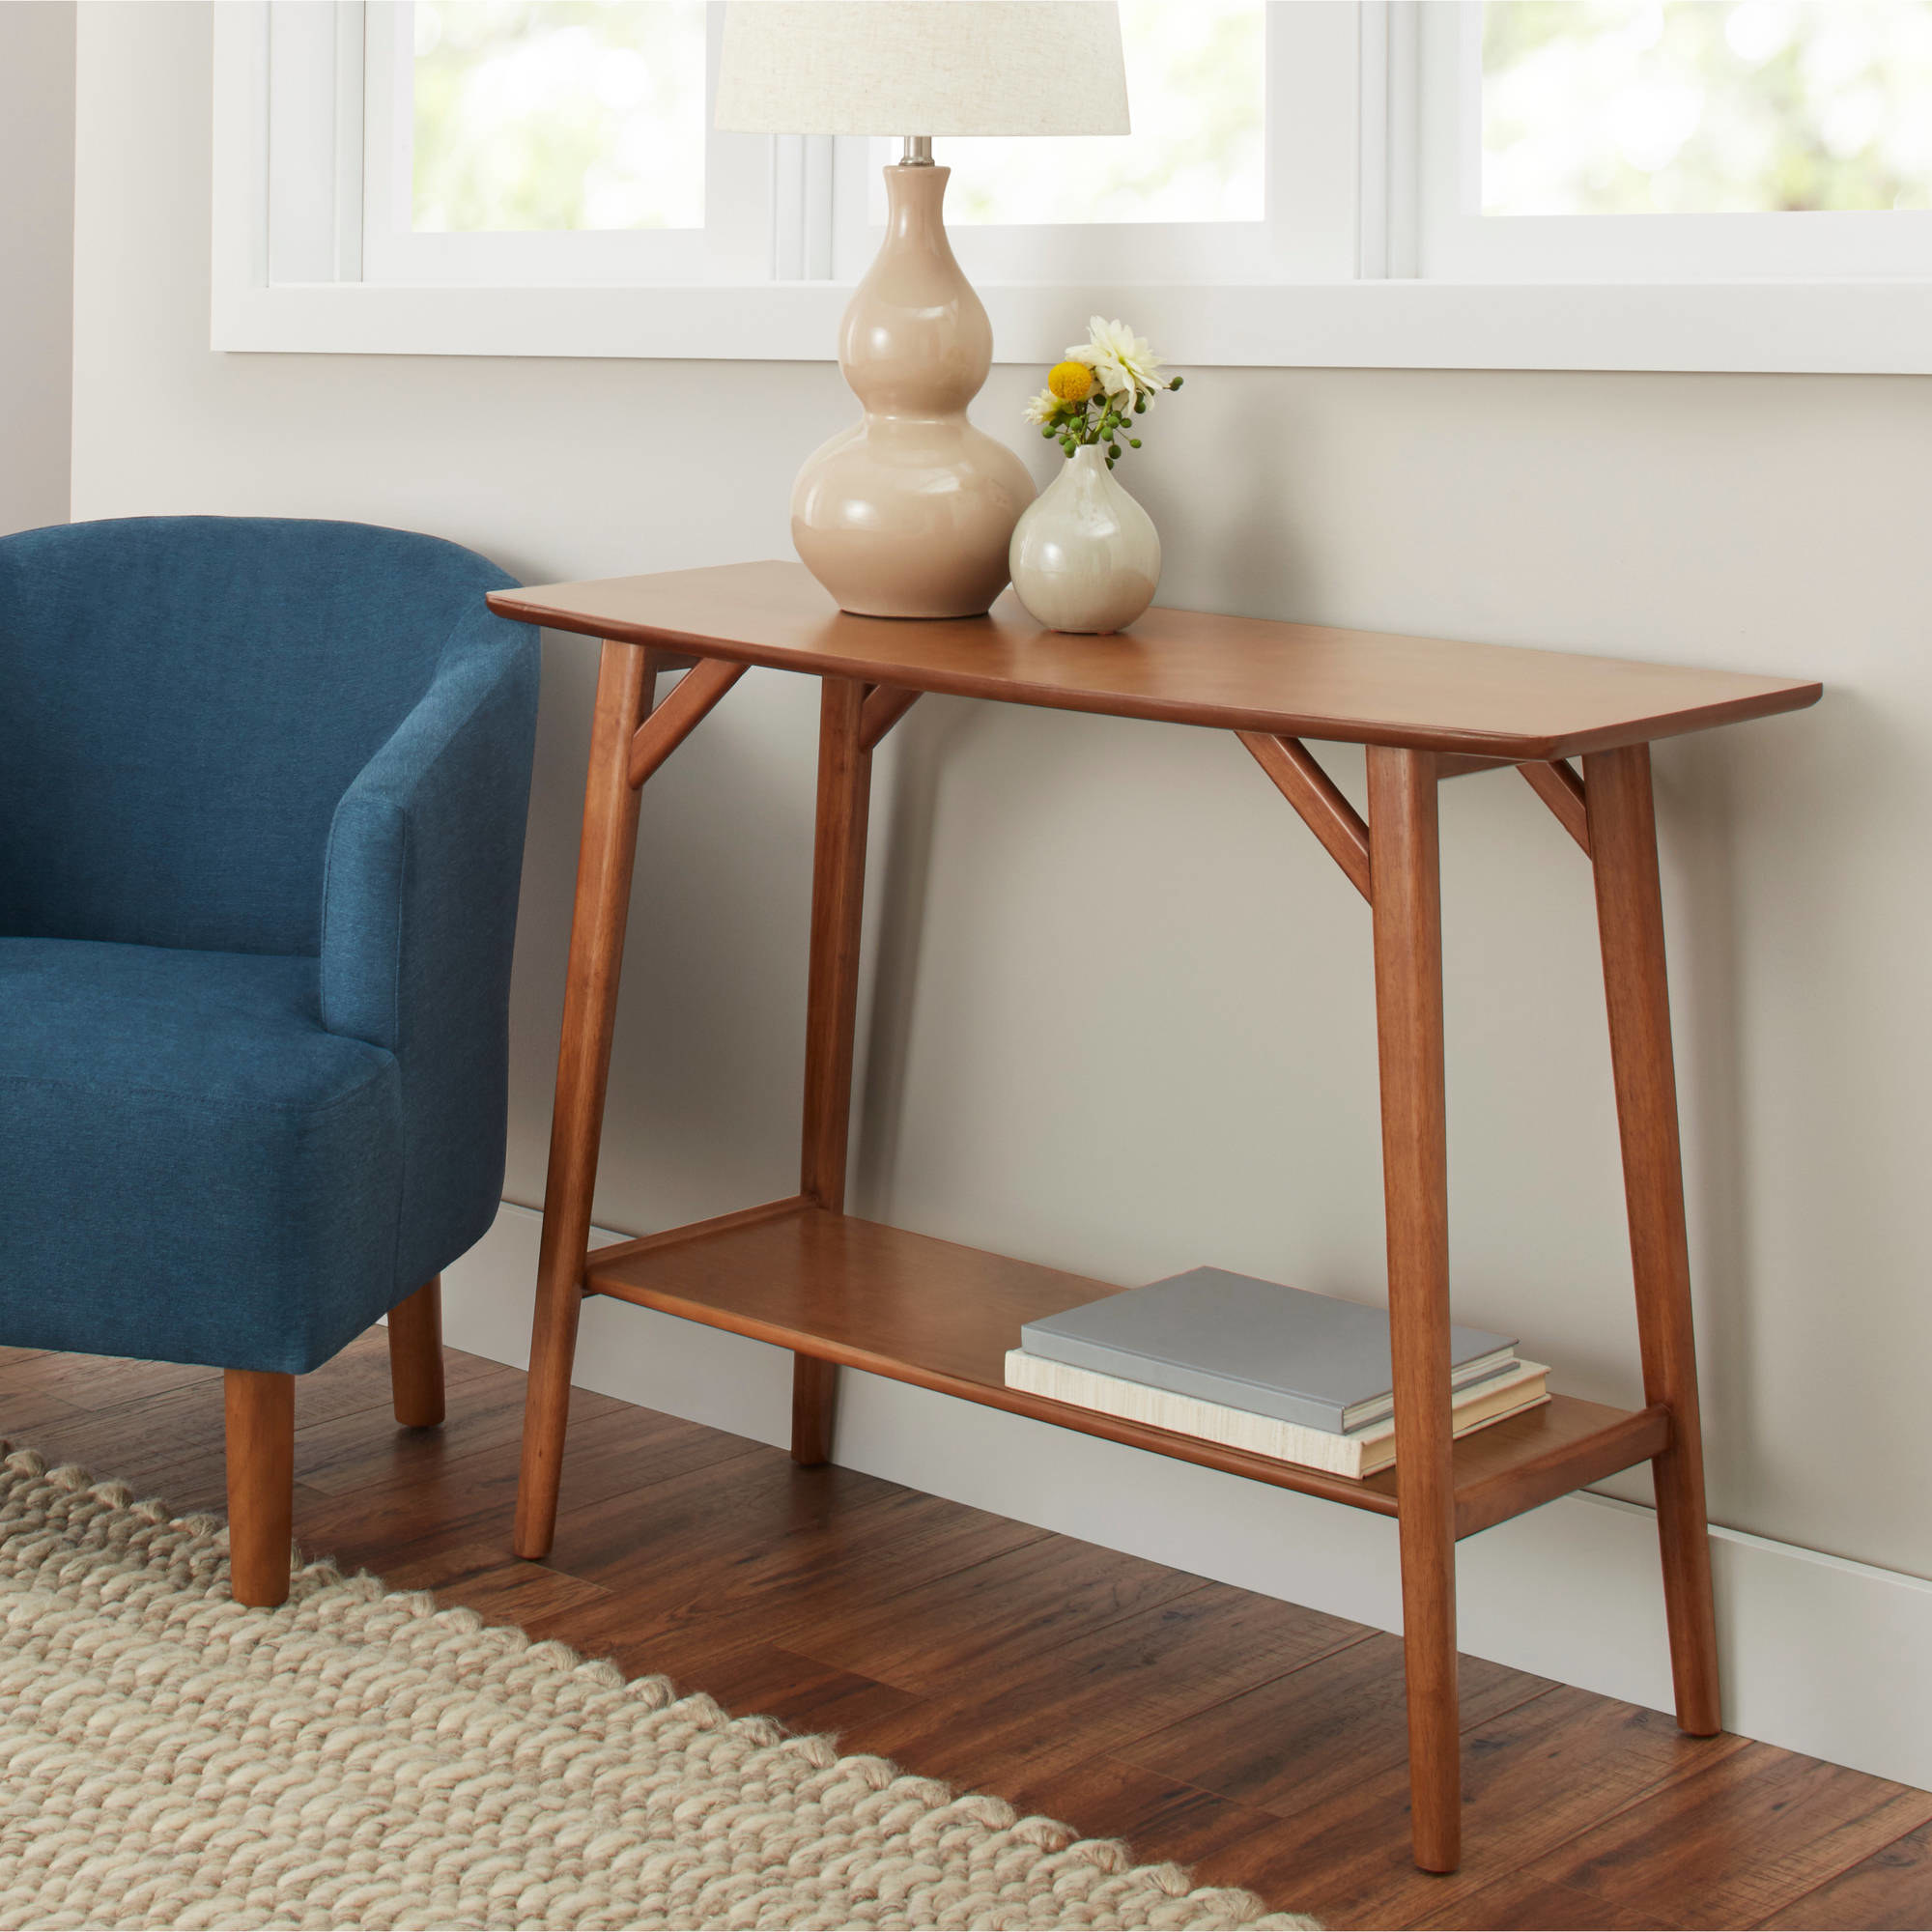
745, 1674
1049, 1711
1166, 1820
1299, 1738
765, 1679
656, 1546
1534, 1776
27, 1414
485, 1577
1551, 1907
898, 1545
1859, 1834
167, 1444
626, 1450
1891, 1891
1017, 1606
99, 1381
342, 1452
1162, 1819
436, 1504
1730, 1845
357, 1380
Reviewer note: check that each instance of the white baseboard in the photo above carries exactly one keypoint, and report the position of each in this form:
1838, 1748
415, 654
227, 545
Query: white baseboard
1819, 1654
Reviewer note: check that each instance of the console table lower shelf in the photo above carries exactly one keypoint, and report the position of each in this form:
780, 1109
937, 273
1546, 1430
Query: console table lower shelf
837, 1289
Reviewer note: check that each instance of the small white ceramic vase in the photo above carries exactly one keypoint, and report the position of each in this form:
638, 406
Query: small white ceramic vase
1085, 555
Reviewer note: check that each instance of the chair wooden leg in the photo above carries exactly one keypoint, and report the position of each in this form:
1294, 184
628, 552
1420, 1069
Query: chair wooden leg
1629, 918
415, 1356
260, 1416
1404, 882
626, 680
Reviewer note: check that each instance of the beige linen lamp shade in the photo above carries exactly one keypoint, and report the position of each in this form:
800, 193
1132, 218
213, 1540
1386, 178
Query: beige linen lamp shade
921, 67
910, 512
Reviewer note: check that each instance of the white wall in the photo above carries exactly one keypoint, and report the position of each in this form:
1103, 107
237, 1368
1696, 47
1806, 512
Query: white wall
1122, 1021
36, 260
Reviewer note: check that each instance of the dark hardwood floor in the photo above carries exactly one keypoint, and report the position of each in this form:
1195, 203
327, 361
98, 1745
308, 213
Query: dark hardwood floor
1257, 1741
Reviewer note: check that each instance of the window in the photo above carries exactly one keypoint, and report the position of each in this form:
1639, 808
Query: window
559, 141
1696, 140
1771, 106
533, 142
1206, 188
1198, 83
1194, 167
574, 116
1549, 183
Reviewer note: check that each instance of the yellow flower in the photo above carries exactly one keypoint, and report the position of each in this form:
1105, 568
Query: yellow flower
1070, 382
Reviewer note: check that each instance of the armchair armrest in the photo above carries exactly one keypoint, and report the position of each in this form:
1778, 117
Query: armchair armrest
419, 885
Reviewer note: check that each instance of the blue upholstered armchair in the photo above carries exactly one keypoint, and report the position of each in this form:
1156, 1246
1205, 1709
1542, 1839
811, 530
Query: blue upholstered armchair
263, 785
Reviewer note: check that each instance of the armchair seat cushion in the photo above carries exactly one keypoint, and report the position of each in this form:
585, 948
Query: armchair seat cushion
192, 1169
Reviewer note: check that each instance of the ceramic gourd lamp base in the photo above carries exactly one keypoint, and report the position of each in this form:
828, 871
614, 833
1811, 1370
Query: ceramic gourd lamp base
911, 511
1086, 556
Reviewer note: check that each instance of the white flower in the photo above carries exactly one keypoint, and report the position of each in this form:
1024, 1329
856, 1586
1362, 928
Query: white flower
1041, 407
1122, 361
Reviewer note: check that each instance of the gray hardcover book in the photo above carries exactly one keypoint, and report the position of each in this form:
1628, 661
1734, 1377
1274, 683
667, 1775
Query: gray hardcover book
1255, 1344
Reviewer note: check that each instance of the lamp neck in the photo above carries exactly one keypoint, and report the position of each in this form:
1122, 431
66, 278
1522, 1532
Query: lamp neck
917, 151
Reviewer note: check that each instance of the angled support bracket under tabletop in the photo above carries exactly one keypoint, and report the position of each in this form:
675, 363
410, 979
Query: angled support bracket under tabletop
679, 715
1560, 787
884, 707
1313, 793
1556, 781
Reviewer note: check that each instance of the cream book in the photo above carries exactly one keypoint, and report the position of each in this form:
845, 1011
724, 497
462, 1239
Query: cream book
1363, 1453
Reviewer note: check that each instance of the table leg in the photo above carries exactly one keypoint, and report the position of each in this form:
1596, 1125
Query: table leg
626, 681
1406, 889
832, 1011
1630, 919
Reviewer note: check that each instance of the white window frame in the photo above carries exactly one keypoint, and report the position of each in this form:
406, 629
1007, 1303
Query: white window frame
734, 243
1456, 242
1341, 287
1308, 232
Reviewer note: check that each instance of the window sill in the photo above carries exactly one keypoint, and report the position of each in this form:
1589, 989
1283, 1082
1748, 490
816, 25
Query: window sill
1796, 328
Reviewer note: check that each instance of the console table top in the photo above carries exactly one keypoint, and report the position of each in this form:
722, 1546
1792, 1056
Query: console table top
1182, 666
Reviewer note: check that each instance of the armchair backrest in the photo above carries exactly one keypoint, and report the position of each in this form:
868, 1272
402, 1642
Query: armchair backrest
182, 703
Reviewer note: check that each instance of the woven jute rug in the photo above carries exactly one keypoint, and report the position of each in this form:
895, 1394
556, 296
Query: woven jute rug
361, 1758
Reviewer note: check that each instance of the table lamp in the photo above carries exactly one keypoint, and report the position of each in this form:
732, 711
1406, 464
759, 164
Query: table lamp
909, 513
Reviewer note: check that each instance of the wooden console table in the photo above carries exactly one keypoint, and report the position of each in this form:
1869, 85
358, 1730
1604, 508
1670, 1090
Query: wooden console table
833, 1289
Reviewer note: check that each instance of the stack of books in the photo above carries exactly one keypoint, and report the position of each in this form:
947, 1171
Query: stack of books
1259, 1366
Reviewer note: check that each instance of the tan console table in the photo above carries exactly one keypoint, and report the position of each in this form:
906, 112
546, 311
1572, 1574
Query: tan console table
835, 1288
